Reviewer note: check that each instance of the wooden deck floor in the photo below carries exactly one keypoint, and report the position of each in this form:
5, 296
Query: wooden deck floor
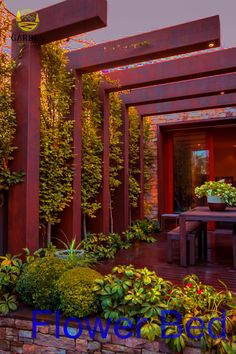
154, 257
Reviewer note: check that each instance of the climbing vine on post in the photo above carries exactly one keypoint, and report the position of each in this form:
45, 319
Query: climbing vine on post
91, 146
134, 136
7, 113
116, 160
148, 152
148, 159
56, 131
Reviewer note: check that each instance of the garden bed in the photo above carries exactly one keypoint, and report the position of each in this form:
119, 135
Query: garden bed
130, 310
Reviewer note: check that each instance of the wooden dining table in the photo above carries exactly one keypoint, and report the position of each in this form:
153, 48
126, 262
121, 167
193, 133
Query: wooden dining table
204, 214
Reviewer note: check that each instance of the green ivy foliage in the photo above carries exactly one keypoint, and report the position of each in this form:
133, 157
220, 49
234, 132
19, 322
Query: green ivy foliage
148, 152
92, 146
56, 149
10, 269
134, 136
116, 160
7, 113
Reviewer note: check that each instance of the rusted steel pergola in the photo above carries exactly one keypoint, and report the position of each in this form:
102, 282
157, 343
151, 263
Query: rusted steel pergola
155, 100
165, 42
74, 17
188, 68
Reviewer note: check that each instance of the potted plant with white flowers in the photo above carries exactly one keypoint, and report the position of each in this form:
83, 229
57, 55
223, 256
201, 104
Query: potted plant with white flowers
219, 194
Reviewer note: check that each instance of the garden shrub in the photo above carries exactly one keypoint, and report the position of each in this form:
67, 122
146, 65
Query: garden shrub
74, 289
10, 270
36, 284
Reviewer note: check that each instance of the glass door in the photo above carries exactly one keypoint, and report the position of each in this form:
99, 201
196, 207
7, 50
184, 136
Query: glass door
190, 167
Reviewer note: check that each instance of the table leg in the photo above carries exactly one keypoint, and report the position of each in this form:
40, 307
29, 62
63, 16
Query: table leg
183, 242
205, 240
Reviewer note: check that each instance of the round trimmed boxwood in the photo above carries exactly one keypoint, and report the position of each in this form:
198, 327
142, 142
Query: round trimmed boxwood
36, 284
75, 290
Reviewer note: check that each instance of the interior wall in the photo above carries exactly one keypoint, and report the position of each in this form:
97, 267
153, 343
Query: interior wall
225, 152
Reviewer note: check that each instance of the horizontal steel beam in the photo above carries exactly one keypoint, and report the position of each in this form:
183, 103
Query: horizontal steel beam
192, 67
68, 18
206, 86
183, 38
186, 105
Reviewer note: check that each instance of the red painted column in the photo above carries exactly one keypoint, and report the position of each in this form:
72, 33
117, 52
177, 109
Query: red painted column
138, 213
103, 217
23, 229
71, 218
210, 143
160, 174
121, 196
170, 195
165, 174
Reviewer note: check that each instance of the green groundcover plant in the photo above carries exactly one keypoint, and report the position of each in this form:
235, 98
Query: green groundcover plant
102, 246
143, 230
140, 293
10, 269
218, 188
106, 246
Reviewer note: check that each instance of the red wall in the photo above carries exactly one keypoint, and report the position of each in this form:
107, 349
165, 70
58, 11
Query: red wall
225, 152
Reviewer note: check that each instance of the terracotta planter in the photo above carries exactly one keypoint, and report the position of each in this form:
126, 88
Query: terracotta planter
215, 203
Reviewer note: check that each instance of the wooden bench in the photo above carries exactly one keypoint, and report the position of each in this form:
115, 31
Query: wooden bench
193, 230
165, 217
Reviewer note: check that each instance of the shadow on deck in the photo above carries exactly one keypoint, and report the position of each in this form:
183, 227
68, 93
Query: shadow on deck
154, 256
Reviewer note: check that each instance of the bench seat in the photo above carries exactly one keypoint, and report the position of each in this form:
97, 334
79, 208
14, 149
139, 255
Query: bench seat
193, 231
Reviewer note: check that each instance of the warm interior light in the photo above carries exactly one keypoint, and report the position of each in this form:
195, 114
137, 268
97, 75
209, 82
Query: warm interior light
211, 45
222, 92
